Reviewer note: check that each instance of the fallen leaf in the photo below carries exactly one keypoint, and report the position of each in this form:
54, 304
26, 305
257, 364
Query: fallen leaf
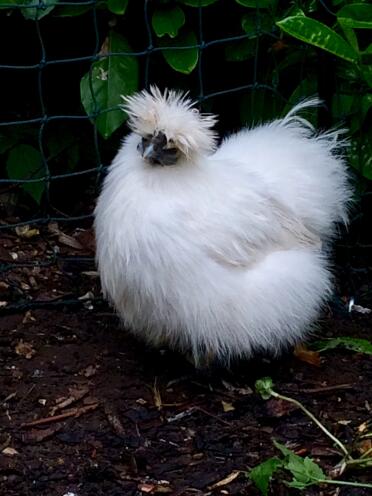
25, 349
227, 407
28, 317
308, 356
26, 232
365, 446
362, 427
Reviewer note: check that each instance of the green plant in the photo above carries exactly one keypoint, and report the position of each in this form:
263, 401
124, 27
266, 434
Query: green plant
354, 344
305, 472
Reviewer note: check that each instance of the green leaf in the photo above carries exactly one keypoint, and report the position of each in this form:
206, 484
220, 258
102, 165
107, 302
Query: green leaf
357, 15
240, 50
264, 387
71, 10
304, 470
181, 60
255, 25
262, 474
283, 449
25, 162
168, 21
112, 76
355, 344
34, 13
256, 4
117, 6
367, 74
342, 105
197, 3
318, 34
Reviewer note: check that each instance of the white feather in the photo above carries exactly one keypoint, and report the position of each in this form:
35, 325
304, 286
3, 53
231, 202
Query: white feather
220, 254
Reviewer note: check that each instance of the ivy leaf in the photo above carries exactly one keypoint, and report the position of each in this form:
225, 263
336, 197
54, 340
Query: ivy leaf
168, 21
318, 34
112, 76
256, 4
181, 60
357, 15
262, 474
25, 162
117, 6
355, 344
198, 3
264, 387
35, 13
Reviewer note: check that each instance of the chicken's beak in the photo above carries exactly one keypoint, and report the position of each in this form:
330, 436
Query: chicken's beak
155, 152
148, 152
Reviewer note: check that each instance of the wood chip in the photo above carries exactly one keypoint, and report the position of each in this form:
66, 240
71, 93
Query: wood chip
75, 394
73, 412
114, 420
9, 451
67, 240
226, 480
146, 488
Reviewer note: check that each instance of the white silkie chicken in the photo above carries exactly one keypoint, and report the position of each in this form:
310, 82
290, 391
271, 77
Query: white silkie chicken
218, 252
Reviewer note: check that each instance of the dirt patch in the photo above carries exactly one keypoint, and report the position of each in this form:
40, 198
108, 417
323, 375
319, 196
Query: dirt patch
87, 410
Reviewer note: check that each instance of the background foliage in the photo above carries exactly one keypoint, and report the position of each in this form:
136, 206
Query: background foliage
247, 60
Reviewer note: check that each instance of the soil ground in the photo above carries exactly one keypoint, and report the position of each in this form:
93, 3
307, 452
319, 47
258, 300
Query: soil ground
88, 410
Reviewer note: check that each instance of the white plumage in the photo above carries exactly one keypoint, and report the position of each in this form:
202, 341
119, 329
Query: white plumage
218, 252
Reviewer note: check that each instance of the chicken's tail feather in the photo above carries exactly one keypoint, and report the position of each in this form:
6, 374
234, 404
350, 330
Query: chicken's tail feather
332, 138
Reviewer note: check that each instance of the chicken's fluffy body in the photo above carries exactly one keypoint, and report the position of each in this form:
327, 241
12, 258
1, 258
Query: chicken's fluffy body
222, 253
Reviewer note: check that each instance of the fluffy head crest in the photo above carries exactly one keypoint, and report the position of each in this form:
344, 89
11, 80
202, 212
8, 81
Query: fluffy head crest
172, 113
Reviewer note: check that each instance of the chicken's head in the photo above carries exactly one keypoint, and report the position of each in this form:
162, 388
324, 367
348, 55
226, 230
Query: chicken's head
169, 127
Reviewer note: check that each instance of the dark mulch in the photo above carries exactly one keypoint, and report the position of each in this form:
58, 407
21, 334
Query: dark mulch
131, 421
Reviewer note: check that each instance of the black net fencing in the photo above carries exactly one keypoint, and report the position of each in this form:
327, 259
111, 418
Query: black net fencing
62, 70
